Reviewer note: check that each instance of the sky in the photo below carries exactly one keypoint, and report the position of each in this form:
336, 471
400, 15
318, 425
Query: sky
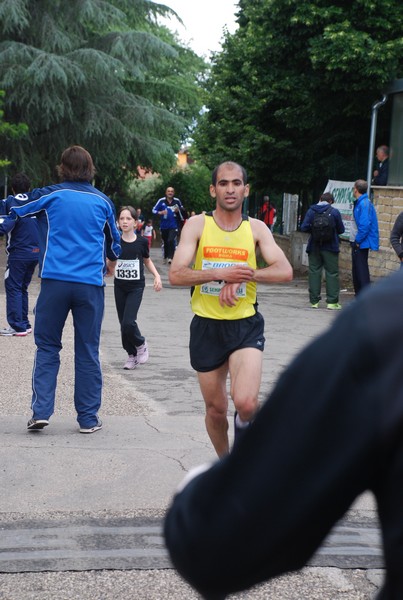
204, 21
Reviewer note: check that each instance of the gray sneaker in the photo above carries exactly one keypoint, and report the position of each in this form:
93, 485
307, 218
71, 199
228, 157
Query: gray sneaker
96, 427
9, 331
37, 424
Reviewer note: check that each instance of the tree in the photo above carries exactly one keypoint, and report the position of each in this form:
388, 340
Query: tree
290, 96
103, 74
8, 132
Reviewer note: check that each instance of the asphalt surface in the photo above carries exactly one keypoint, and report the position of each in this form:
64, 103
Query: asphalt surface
80, 515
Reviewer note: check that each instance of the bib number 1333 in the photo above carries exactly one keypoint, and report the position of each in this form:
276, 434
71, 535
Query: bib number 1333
129, 270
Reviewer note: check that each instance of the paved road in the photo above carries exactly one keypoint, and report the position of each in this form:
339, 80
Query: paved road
81, 515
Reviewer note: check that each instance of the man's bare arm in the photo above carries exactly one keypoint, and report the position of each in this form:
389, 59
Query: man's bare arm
278, 269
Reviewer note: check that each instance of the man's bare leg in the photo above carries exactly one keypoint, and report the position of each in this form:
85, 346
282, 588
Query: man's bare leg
245, 368
213, 386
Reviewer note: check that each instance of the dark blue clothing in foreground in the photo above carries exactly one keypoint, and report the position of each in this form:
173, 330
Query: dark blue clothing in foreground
331, 429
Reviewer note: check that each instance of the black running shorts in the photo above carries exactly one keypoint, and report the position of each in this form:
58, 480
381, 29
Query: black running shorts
212, 341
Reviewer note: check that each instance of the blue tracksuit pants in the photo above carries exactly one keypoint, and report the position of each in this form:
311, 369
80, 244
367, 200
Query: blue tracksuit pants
86, 303
16, 281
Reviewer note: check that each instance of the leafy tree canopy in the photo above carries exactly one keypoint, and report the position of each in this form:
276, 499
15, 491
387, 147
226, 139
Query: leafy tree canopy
8, 132
290, 96
103, 74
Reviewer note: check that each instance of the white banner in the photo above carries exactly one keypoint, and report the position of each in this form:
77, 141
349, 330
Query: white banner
343, 201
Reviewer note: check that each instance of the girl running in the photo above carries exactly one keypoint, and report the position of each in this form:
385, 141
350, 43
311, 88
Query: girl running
129, 286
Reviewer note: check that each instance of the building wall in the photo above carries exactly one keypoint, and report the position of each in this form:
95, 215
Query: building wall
388, 202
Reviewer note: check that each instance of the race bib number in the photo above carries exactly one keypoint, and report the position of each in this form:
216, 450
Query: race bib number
213, 288
129, 270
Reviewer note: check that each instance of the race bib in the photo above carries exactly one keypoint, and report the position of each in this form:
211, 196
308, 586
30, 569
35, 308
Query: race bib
213, 288
129, 270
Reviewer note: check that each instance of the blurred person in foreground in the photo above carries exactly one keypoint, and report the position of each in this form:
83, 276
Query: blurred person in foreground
331, 429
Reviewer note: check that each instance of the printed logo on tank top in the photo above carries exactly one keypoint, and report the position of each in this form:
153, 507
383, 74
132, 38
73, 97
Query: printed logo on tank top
216, 257
225, 253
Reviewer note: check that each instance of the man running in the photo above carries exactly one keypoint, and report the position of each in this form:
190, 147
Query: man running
227, 331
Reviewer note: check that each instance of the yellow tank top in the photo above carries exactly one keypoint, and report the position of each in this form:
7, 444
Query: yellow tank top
219, 248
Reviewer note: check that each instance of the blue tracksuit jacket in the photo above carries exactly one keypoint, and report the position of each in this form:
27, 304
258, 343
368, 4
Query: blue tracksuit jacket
22, 235
367, 235
169, 220
77, 227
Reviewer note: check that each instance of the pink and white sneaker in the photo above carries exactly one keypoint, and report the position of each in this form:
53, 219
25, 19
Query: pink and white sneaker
132, 362
142, 353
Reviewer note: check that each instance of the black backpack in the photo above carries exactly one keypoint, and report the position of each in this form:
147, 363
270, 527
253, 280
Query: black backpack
323, 226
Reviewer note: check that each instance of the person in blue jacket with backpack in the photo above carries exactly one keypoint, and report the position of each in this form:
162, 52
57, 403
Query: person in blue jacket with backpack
78, 232
22, 248
323, 250
364, 235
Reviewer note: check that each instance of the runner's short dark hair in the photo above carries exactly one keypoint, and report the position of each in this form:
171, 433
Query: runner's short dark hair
233, 164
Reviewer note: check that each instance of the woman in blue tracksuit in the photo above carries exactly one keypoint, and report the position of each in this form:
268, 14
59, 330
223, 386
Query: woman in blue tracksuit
77, 228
